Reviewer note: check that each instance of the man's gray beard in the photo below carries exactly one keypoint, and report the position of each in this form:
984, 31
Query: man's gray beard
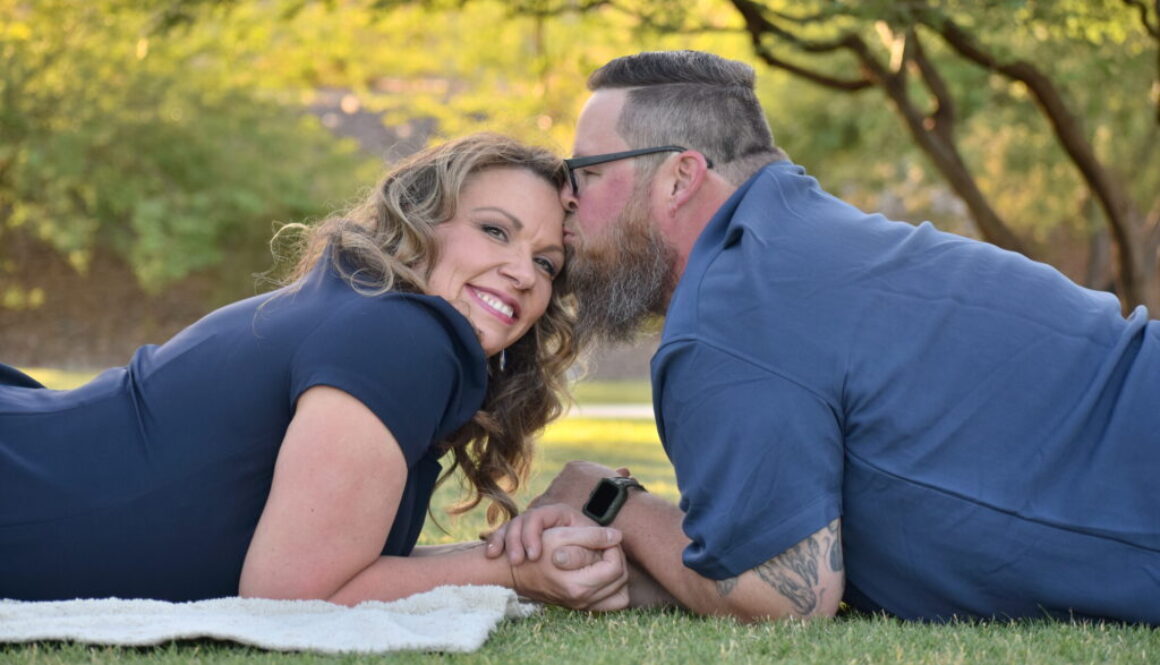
624, 280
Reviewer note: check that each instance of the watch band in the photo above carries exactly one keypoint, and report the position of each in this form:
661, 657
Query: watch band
608, 498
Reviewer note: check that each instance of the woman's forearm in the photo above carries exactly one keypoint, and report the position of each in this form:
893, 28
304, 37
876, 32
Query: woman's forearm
598, 585
439, 550
393, 577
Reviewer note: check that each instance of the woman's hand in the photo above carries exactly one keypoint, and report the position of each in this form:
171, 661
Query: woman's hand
583, 568
522, 537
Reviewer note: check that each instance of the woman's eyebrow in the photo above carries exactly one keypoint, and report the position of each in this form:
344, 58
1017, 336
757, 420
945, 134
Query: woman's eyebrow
512, 218
516, 223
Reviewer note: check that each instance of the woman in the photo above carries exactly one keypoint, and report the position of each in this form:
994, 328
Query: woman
287, 445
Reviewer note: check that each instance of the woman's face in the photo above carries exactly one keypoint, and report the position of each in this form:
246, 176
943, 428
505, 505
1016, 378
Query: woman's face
500, 252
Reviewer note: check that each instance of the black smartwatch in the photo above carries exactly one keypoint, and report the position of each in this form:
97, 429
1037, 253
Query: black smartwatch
608, 497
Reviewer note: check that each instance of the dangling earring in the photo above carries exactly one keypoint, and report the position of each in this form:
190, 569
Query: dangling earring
503, 360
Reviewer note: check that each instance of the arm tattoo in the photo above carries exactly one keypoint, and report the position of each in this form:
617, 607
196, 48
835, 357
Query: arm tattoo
835, 546
794, 573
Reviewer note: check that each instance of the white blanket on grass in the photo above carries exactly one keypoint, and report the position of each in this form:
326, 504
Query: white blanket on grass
448, 618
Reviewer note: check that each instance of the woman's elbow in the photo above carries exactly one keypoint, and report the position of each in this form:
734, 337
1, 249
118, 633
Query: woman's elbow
275, 589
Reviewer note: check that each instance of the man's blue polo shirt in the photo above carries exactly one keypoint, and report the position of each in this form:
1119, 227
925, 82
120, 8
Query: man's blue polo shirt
988, 432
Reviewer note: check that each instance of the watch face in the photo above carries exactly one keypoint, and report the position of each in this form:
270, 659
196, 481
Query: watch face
602, 498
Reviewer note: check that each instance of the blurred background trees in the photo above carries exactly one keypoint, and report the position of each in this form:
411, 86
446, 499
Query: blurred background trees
148, 148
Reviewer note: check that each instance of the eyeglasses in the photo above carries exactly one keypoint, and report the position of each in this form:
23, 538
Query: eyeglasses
580, 162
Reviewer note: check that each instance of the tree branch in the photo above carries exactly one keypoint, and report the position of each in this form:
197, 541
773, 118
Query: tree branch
938, 146
943, 117
1154, 30
845, 85
545, 10
1153, 221
757, 23
820, 17
1142, 9
943, 152
648, 22
1117, 206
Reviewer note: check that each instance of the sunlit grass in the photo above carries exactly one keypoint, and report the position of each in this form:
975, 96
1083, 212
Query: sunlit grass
614, 443
613, 392
602, 433
589, 392
59, 379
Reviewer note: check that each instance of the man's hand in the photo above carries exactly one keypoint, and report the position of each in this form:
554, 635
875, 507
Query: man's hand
594, 574
574, 483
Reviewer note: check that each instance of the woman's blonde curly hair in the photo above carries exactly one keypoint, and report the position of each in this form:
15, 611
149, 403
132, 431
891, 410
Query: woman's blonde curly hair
386, 243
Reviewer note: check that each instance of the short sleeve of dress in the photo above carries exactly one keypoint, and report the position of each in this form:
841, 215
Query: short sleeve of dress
758, 458
412, 360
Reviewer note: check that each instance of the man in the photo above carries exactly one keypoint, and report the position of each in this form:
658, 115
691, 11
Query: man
856, 409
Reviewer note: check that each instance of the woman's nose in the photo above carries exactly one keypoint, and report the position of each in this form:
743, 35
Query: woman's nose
521, 270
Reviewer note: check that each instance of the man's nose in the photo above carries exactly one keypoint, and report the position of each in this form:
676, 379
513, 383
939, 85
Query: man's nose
568, 197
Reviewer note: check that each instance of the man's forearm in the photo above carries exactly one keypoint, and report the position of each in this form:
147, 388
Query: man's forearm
798, 582
653, 540
645, 591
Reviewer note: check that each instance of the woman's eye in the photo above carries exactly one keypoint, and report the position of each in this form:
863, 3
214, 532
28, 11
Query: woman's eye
547, 266
495, 231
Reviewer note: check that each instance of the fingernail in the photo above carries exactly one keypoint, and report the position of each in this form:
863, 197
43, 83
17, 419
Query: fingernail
559, 558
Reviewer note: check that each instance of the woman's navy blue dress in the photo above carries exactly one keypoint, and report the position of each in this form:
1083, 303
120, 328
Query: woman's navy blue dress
148, 482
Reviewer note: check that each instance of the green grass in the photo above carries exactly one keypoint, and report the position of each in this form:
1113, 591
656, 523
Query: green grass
613, 392
592, 392
559, 636
59, 379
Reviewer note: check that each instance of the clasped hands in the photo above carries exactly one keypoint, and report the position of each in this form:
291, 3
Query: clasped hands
558, 555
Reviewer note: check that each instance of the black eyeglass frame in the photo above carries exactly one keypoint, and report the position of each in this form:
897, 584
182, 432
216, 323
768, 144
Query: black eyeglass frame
580, 162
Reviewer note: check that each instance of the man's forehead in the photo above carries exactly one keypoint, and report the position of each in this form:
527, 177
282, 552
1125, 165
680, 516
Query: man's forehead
596, 128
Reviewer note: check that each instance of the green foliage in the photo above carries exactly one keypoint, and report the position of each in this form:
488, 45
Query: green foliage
149, 147
1098, 53
172, 131
1102, 60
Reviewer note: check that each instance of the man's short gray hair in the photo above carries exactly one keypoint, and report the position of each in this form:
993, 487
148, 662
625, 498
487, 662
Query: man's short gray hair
695, 99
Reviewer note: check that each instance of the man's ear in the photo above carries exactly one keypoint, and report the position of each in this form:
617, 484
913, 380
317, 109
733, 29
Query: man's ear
687, 175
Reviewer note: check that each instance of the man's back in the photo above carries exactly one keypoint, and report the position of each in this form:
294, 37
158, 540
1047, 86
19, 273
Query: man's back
986, 430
